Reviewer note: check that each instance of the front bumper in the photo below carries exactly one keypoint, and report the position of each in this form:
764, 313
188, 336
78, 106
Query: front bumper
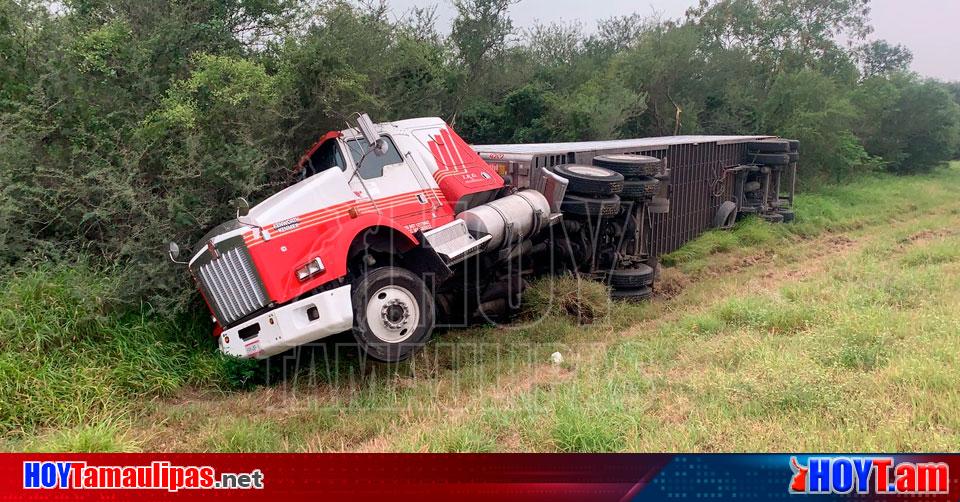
304, 321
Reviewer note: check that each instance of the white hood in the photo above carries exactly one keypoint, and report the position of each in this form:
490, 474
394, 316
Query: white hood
316, 192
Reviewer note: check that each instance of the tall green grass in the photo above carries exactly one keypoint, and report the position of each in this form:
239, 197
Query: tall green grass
68, 359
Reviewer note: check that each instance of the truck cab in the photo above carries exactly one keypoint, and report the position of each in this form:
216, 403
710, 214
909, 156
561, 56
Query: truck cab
285, 273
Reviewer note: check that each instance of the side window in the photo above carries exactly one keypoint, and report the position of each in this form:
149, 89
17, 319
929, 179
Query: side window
327, 156
373, 164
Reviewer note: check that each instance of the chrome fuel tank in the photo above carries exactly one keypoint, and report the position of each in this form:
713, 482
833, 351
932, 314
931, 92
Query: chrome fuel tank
509, 220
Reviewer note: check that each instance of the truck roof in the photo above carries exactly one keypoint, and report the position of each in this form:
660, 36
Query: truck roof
587, 146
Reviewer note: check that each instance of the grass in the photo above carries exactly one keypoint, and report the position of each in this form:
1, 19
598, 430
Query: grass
68, 362
834, 333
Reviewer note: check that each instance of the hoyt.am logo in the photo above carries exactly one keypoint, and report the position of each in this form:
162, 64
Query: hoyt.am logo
873, 475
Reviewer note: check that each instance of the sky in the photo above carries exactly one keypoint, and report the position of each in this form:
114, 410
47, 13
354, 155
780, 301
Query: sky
929, 28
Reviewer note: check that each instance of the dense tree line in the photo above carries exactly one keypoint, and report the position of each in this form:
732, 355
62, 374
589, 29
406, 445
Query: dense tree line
127, 123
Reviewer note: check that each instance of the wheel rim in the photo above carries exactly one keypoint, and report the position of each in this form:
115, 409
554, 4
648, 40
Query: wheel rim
393, 313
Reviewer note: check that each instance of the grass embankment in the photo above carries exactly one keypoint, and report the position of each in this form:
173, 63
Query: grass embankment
838, 332
75, 368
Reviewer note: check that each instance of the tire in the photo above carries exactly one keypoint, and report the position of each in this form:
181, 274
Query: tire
794, 157
751, 186
726, 215
632, 294
630, 166
772, 217
769, 159
794, 145
406, 313
590, 180
769, 146
640, 189
787, 214
630, 278
590, 206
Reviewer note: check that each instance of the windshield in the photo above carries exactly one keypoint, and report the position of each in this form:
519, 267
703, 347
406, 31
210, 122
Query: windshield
373, 164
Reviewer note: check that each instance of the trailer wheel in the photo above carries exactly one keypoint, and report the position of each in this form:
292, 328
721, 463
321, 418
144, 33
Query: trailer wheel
630, 166
726, 215
590, 206
393, 313
769, 146
787, 214
590, 180
769, 159
632, 294
643, 188
631, 278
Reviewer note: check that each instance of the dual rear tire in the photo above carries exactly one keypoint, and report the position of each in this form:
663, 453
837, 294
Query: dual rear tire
591, 191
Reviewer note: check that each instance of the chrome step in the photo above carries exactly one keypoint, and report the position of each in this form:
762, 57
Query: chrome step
454, 243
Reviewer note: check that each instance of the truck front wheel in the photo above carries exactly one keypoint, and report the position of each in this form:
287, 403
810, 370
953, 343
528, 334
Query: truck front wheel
393, 313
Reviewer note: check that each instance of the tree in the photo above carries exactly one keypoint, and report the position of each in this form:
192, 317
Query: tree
811, 107
617, 34
913, 125
555, 44
954, 89
881, 58
478, 34
784, 34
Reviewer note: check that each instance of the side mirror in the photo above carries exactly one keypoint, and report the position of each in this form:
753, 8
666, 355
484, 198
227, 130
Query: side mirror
368, 130
173, 251
243, 207
380, 147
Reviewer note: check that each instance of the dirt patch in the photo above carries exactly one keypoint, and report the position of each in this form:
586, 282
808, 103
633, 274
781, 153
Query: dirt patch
674, 408
671, 283
929, 235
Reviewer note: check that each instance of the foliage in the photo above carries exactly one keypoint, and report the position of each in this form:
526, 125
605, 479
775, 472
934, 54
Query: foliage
124, 124
912, 124
881, 58
810, 107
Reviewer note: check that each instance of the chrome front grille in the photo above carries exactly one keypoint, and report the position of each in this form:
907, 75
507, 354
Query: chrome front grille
232, 285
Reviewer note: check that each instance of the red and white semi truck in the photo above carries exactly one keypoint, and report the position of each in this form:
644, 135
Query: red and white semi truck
393, 228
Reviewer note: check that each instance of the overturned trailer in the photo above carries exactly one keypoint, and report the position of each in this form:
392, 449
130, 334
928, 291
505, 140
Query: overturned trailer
699, 174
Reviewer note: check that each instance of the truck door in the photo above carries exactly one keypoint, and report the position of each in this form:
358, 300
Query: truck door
393, 186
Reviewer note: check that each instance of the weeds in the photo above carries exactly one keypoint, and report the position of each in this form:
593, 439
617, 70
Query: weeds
67, 359
581, 300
